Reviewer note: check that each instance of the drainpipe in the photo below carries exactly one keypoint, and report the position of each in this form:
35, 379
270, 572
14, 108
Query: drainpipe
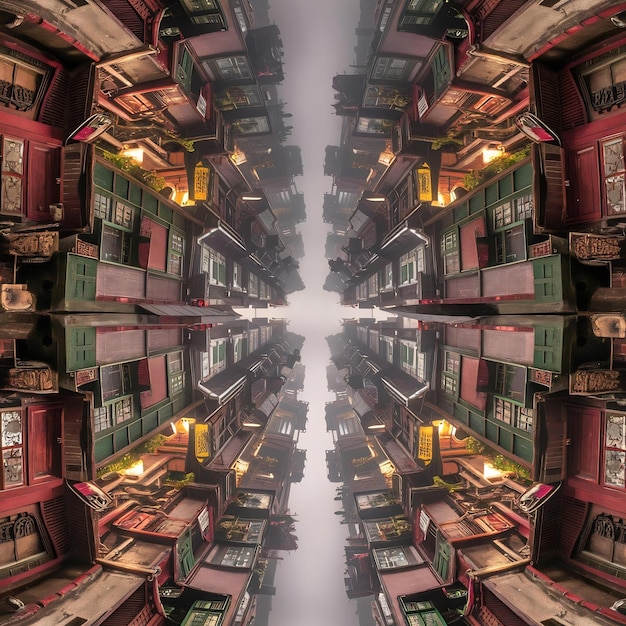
476, 50
131, 568
491, 570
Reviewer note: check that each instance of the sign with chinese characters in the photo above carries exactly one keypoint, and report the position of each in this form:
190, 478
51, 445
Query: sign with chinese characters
84, 248
424, 184
201, 442
425, 450
201, 183
82, 377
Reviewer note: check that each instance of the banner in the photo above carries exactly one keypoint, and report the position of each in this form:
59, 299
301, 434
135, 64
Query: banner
202, 443
424, 184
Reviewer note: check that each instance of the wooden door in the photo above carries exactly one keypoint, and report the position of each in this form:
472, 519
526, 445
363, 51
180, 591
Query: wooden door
43, 173
44, 443
584, 199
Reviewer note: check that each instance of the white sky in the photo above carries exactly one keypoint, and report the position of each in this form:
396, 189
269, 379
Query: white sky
319, 39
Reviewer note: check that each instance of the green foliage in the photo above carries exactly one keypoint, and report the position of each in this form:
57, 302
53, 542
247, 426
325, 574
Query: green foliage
499, 164
474, 446
499, 462
130, 458
120, 465
185, 143
132, 168
450, 141
440, 482
180, 483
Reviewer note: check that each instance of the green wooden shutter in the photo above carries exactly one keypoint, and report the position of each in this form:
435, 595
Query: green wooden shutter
548, 279
441, 562
81, 278
548, 349
81, 347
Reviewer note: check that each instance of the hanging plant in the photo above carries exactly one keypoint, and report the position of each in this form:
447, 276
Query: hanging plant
499, 164
132, 168
450, 141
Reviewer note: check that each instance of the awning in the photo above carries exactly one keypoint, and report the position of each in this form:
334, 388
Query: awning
272, 359
403, 387
221, 580
360, 404
268, 405
224, 239
187, 310
225, 385
404, 237
404, 582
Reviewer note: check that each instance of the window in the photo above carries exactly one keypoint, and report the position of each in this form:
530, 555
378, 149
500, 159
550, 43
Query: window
510, 245
102, 418
225, 426
253, 285
615, 450
410, 264
175, 373
238, 345
614, 175
230, 68
115, 245
524, 207
176, 250
109, 415
22, 80
102, 206
361, 291
266, 334
12, 449
123, 215
450, 375
237, 277
513, 414
386, 349
251, 125
238, 556
204, 12
264, 290
217, 357
372, 284
390, 558
503, 215
241, 20
420, 12
392, 68
407, 357
420, 368
387, 276
214, 264
115, 381
510, 381
513, 211
253, 340
237, 97
450, 252
119, 213
122, 410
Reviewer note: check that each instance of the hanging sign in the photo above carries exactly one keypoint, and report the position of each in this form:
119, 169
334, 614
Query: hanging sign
425, 446
91, 495
200, 183
201, 441
535, 129
424, 184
